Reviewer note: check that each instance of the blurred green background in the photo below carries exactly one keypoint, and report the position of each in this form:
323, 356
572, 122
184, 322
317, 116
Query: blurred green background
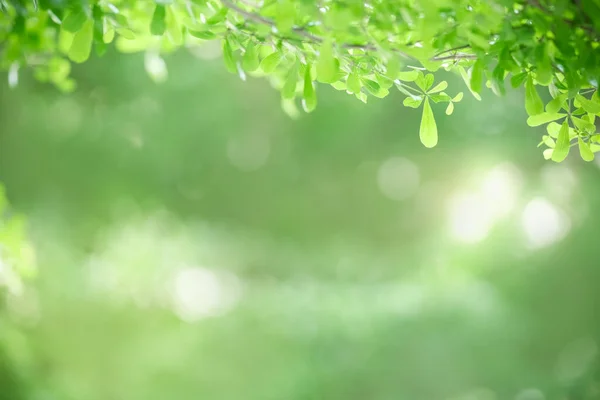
195, 242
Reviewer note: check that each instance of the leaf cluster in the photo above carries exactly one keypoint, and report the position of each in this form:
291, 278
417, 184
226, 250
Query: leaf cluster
363, 48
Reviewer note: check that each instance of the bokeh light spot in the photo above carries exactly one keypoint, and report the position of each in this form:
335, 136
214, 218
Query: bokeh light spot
543, 223
398, 178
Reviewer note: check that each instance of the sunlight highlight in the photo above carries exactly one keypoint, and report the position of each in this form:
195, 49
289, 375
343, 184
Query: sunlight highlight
544, 223
470, 217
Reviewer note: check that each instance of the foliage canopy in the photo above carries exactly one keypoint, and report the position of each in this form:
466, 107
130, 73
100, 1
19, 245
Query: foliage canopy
363, 48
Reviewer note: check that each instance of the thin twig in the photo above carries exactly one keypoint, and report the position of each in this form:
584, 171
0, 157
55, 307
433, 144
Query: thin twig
300, 31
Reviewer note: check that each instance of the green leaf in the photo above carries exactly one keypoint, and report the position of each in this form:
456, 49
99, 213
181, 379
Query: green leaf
588, 105
584, 125
517, 80
458, 97
450, 108
556, 104
81, 47
174, 29
229, 58
250, 62
204, 35
533, 102
408, 76
585, 151
353, 83
442, 97
424, 82
476, 76
563, 144
309, 102
428, 130
439, 87
270, 62
291, 81
286, 15
326, 64
158, 24
544, 118
466, 79
74, 21
553, 128
412, 102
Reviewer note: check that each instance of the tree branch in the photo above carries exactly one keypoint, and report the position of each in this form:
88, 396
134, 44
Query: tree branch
300, 31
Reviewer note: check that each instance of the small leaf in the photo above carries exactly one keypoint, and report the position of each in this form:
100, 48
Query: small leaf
533, 102
174, 27
450, 108
458, 97
250, 62
585, 151
286, 15
309, 102
439, 87
326, 64
442, 97
289, 88
518, 79
553, 128
588, 105
270, 62
428, 130
74, 21
556, 104
372, 86
158, 24
412, 102
544, 118
408, 76
563, 144
476, 76
81, 47
466, 79
204, 35
353, 83
229, 58
548, 154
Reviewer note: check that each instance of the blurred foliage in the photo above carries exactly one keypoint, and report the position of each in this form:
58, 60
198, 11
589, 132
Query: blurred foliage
364, 49
193, 242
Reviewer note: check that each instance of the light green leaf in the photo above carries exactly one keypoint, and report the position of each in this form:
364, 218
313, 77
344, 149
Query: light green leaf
309, 102
466, 79
250, 62
450, 108
585, 151
158, 24
439, 87
428, 131
204, 35
286, 15
553, 128
174, 27
81, 47
588, 105
583, 125
74, 21
291, 82
412, 102
353, 83
229, 58
556, 104
476, 76
442, 97
544, 118
563, 144
458, 97
326, 64
270, 62
548, 154
533, 102
408, 76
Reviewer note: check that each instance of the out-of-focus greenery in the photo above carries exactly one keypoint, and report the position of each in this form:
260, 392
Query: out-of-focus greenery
365, 49
192, 241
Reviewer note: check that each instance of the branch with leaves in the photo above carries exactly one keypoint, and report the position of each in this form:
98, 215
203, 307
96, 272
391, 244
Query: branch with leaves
365, 49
